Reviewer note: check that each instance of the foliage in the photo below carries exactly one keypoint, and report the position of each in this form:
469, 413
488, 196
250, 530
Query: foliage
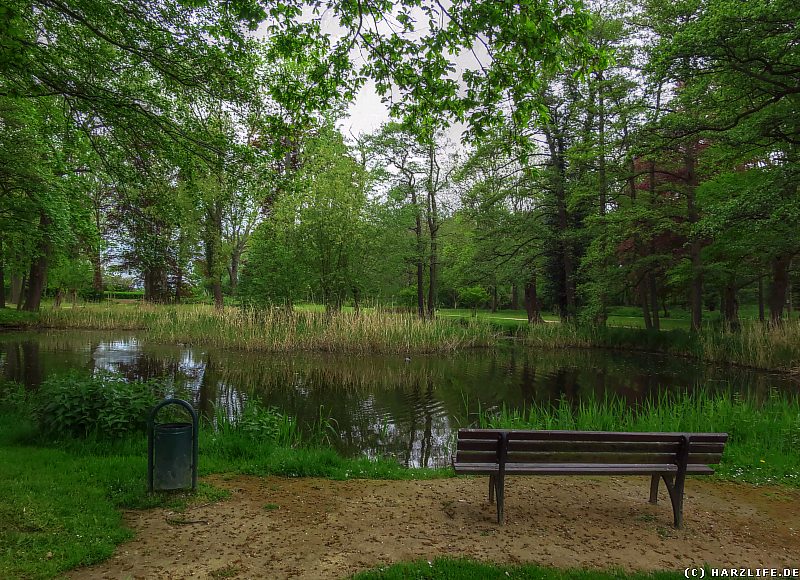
103, 405
473, 297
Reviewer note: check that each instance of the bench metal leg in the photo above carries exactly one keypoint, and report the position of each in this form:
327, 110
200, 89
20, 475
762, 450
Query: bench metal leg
500, 496
491, 488
675, 489
654, 481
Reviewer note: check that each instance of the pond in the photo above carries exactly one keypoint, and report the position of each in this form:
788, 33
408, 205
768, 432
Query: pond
380, 405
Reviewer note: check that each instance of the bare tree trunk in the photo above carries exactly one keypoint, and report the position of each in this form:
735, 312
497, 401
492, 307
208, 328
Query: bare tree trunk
97, 272
36, 284
651, 279
419, 257
433, 227
233, 269
532, 305
643, 297
22, 288
178, 284
761, 298
16, 288
2, 275
514, 297
566, 282
730, 306
213, 238
37, 279
696, 292
780, 283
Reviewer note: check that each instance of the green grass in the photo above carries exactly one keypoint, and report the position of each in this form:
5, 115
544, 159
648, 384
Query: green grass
276, 330
61, 496
60, 500
59, 504
462, 569
13, 318
764, 436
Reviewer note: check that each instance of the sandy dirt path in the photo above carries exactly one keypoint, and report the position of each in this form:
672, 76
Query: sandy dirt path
312, 528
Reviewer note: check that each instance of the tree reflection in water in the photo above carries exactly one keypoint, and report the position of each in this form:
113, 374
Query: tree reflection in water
380, 405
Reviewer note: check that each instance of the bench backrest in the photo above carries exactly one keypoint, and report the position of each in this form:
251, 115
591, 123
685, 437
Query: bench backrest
598, 447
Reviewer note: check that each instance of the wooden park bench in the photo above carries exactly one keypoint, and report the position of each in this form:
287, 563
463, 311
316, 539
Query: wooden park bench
668, 456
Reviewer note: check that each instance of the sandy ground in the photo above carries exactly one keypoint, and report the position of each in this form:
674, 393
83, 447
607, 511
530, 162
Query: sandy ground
311, 528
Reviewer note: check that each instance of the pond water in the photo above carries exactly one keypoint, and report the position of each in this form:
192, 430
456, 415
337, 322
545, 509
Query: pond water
381, 405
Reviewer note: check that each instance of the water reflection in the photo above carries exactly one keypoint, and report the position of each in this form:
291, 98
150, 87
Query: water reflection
381, 406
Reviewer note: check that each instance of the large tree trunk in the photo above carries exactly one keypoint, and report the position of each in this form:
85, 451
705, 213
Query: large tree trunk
696, 291
653, 286
213, 239
155, 285
2, 276
178, 284
233, 269
730, 306
420, 255
761, 298
514, 297
566, 274
16, 288
37, 278
780, 283
643, 297
97, 272
22, 288
433, 278
433, 227
532, 305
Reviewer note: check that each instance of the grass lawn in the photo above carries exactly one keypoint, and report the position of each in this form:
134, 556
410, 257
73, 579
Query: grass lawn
60, 500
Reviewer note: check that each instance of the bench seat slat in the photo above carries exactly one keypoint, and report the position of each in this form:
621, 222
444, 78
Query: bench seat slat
588, 446
477, 444
589, 436
489, 469
590, 457
589, 468
594, 446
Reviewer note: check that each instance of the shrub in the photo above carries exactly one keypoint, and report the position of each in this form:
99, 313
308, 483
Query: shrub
102, 404
473, 297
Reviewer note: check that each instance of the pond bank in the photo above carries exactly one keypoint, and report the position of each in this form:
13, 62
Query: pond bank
314, 528
377, 331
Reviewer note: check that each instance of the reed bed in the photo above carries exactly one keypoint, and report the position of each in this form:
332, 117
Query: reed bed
753, 345
764, 442
276, 330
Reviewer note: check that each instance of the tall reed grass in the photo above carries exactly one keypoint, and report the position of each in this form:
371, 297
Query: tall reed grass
753, 345
276, 330
764, 436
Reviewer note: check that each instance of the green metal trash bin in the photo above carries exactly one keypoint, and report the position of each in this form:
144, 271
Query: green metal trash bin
172, 450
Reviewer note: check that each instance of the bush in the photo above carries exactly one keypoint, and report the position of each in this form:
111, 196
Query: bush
103, 404
473, 297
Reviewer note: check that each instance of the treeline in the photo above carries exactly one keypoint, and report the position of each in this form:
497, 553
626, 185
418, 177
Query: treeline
641, 154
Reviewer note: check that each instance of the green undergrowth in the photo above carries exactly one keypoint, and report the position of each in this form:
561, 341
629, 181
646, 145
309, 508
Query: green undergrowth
13, 318
462, 569
764, 435
64, 483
